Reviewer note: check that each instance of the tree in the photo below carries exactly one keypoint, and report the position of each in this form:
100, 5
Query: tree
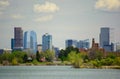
76, 59
62, 55
117, 61
37, 56
25, 58
49, 55
72, 56
35, 62
84, 57
19, 55
107, 61
6, 57
14, 61
95, 54
70, 49
111, 55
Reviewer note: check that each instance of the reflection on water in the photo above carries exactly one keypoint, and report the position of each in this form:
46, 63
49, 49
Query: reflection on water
56, 72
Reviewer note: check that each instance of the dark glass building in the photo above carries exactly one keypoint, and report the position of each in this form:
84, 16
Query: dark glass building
18, 38
12, 43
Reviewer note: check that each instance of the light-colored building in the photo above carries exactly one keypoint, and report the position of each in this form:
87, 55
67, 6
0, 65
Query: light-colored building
30, 41
106, 38
118, 47
71, 42
39, 47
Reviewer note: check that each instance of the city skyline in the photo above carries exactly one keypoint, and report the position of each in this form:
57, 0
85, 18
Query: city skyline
63, 19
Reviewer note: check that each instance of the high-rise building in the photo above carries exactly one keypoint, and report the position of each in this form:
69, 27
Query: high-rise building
71, 42
85, 44
118, 47
39, 48
106, 38
12, 43
57, 51
30, 41
18, 38
46, 42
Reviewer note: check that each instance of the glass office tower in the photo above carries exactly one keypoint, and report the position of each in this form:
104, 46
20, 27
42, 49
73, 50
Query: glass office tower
30, 41
46, 42
106, 39
71, 42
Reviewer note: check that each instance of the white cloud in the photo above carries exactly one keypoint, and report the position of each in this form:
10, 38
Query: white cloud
109, 5
17, 16
44, 18
4, 4
47, 7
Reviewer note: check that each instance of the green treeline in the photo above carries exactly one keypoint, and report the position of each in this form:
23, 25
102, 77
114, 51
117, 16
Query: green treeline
91, 59
20, 57
13, 58
69, 56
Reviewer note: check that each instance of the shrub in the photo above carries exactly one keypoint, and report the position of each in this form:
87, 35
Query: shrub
14, 61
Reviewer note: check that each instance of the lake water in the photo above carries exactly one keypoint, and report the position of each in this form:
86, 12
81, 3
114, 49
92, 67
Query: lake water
56, 72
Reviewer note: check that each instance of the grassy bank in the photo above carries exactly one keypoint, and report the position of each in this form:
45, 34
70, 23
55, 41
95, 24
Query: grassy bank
65, 63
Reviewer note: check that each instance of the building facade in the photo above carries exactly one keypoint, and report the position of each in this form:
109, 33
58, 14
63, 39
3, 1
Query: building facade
84, 44
71, 42
46, 42
118, 47
106, 39
12, 43
57, 51
30, 41
18, 38
39, 48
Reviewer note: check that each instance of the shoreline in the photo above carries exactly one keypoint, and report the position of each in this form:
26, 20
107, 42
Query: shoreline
88, 67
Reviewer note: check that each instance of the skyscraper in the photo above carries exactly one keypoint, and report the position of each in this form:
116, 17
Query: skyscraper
18, 38
12, 43
104, 36
106, 39
85, 44
118, 47
71, 42
46, 42
30, 41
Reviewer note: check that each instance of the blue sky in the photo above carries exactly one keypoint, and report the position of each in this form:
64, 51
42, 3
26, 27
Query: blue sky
63, 19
